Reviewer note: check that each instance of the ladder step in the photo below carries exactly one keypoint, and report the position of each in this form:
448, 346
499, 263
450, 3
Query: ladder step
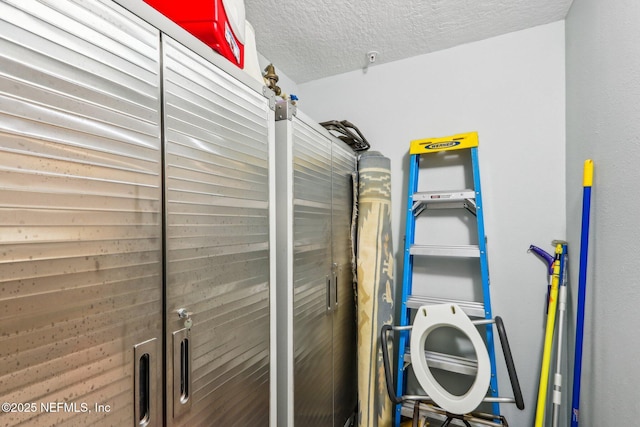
463, 251
444, 196
471, 308
426, 410
448, 362
436, 414
444, 200
455, 142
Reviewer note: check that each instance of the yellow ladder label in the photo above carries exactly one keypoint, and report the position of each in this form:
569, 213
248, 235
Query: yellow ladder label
454, 142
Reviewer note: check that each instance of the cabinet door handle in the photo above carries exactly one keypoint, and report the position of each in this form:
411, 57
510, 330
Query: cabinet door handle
329, 293
335, 286
182, 367
145, 383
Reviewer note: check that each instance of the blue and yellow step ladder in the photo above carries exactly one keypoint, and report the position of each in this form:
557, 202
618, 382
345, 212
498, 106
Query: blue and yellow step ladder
419, 202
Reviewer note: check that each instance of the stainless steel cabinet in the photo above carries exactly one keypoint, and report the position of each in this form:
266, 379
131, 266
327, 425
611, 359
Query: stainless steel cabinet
217, 244
135, 256
316, 314
81, 207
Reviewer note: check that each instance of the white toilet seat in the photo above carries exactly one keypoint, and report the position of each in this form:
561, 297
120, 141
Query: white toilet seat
432, 317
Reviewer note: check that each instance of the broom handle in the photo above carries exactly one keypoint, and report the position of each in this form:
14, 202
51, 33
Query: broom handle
582, 284
562, 308
548, 340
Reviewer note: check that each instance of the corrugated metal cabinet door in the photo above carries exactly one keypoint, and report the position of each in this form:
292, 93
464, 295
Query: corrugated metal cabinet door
344, 324
217, 291
312, 280
80, 215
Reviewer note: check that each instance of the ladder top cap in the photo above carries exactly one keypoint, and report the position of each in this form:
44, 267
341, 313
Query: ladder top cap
446, 143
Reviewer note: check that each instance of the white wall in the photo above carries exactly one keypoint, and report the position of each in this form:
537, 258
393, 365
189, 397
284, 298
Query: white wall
603, 123
511, 89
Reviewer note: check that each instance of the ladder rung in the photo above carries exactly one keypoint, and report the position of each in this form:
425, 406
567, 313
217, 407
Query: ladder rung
444, 196
434, 414
437, 414
448, 362
465, 251
471, 308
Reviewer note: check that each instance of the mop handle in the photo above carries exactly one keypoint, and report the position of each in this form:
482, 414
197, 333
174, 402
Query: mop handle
562, 308
548, 340
582, 284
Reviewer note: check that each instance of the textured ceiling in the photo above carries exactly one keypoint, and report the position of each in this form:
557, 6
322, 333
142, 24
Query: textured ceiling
311, 39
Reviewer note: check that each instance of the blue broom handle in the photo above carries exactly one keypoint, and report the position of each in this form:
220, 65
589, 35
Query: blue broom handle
582, 284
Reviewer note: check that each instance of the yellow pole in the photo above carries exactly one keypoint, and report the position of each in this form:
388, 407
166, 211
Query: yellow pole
548, 339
